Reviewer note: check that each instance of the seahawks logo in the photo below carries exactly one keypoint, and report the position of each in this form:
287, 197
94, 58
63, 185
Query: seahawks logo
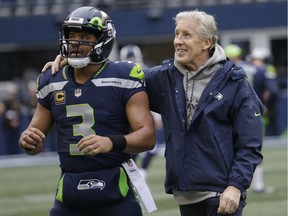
89, 184
218, 96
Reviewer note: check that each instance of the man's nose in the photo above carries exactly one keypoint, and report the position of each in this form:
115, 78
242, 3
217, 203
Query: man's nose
178, 40
74, 42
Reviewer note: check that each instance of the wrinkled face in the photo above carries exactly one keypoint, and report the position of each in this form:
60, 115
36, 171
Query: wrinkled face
189, 48
80, 44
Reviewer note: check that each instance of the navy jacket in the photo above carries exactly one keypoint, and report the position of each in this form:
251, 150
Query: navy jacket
222, 146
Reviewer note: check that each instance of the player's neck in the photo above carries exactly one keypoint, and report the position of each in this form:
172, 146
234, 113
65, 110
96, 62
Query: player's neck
81, 75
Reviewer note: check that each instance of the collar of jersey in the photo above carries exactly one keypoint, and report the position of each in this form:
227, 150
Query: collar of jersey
65, 70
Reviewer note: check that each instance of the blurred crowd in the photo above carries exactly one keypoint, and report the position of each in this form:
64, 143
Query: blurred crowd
17, 106
262, 75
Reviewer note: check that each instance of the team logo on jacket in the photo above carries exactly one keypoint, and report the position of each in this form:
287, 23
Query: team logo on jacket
59, 97
78, 92
218, 96
89, 184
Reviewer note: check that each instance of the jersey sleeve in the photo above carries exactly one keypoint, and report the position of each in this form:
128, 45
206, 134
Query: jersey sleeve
43, 89
134, 79
47, 84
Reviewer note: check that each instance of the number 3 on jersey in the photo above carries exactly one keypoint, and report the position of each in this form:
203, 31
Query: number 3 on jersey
86, 112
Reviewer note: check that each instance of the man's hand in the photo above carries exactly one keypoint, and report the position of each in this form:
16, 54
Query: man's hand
31, 141
94, 144
58, 62
229, 200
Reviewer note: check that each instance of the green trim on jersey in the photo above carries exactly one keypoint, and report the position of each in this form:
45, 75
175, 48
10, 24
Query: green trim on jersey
137, 72
123, 185
101, 69
64, 72
38, 82
59, 195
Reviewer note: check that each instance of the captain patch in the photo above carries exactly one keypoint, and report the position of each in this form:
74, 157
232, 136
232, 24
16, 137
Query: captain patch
59, 97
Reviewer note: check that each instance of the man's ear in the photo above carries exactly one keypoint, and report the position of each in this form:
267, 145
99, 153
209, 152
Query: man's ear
207, 44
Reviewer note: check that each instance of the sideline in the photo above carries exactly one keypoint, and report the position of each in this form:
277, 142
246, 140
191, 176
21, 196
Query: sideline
51, 158
275, 142
23, 160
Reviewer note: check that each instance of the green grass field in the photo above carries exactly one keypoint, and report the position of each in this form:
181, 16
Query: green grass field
29, 191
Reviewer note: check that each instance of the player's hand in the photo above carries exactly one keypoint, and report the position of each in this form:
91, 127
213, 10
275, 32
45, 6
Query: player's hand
229, 200
55, 65
32, 140
94, 144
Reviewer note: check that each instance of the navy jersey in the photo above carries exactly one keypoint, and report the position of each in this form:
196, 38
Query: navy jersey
95, 107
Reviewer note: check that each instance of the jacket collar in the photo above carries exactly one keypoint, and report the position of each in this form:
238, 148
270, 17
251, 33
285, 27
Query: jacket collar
209, 66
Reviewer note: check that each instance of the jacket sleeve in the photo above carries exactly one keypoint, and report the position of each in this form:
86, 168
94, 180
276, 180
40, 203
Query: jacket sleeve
247, 134
151, 86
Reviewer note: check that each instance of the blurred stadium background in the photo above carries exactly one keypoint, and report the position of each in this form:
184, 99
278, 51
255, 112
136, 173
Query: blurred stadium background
29, 34
29, 38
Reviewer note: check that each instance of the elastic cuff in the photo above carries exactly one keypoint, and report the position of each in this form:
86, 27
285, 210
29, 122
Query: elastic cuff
119, 142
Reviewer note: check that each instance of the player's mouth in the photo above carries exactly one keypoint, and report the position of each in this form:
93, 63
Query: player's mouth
75, 54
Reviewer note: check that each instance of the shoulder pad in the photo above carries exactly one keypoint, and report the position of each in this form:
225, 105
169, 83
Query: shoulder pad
122, 65
137, 72
166, 64
64, 71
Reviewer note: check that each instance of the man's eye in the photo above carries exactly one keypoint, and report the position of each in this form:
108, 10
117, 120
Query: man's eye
84, 37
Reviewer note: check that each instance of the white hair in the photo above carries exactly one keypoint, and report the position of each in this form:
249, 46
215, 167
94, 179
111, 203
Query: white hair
207, 26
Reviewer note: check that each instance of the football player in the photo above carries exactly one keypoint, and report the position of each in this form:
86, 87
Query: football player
102, 115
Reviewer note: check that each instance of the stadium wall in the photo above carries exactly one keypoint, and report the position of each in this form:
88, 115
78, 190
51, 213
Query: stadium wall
141, 25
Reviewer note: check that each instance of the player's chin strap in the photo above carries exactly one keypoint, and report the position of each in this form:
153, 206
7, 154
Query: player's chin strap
146, 200
79, 62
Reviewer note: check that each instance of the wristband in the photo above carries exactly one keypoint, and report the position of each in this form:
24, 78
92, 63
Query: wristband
119, 142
